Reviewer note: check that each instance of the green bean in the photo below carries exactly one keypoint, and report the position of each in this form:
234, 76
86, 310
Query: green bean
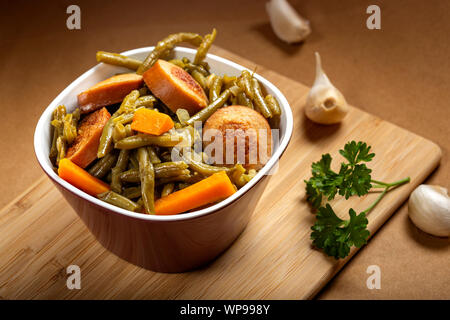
200, 78
206, 169
259, 101
243, 100
190, 67
167, 189
153, 155
245, 83
140, 203
185, 60
209, 79
188, 134
184, 177
106, 139
204, 46
147, 180
250, 175
53, 150
171, 173
227, 80
205, 65
273, 105
134, 163
60, 112
235, 90
162, 170
118, 200
121, 165
146, 101
70, 126
131, 175
108, 177
119, 132
202, 168
215, 89
76, 116
182, 115
132, 192
237, 176
118, 60
205, 113
124, 118
58, 129
103, 165
166, 45
129, 103
122, 160
142, 140
128, 130
61, 147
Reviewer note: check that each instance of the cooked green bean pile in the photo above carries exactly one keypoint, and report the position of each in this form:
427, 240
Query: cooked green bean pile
64, 133
138, 167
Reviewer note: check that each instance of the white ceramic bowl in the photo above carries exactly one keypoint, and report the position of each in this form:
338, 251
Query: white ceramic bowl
169, 243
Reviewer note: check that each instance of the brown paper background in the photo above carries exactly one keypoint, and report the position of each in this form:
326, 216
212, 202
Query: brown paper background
400, 73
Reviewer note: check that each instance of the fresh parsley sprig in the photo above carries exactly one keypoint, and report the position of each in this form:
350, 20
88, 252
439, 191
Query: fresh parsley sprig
330, 233
353, 177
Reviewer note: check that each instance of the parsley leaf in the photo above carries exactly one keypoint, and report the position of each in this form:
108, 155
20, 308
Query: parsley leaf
357, 152
353, 178
323, 182
323, 166
336, 236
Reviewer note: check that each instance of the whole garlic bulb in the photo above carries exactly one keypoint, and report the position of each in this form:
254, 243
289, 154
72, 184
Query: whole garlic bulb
325, 104
429, 209
287, 24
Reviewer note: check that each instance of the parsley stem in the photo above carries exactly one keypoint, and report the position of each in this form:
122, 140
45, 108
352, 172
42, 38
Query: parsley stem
387, 188
393, 184
376, 200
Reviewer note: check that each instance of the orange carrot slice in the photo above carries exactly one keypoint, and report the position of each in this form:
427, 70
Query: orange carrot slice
80, 178
109, 91
214, 188
175, 87
84, 149
151, 122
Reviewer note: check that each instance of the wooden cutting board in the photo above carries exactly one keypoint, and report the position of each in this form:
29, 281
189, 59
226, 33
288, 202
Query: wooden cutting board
40, 234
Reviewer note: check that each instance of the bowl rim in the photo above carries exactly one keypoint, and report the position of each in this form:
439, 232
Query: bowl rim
41, 154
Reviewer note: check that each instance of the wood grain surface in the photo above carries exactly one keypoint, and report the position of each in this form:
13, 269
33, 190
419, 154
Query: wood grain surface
273, 258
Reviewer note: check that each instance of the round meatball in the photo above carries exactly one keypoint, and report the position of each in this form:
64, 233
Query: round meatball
239, 135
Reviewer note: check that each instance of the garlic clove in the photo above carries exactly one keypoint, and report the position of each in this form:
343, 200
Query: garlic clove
286, 23
325, 104
429, 209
